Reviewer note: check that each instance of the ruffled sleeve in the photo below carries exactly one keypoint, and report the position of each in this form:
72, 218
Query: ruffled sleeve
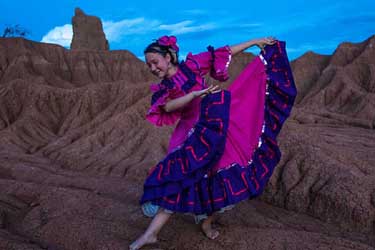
214, 61
156, 114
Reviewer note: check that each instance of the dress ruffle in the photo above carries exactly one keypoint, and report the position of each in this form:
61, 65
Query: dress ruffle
156, 114
214, 61
183, 182
187, 165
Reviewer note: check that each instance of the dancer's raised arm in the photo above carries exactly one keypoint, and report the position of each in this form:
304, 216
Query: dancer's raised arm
261, 42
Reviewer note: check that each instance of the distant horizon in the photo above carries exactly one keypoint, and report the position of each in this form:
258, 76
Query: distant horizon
318, 26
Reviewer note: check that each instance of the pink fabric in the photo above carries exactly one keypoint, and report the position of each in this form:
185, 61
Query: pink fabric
156, 114
246, 115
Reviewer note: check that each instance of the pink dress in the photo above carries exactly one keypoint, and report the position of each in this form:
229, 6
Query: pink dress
223, 149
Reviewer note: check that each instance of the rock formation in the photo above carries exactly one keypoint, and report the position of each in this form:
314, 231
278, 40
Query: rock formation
87, 32
75, 149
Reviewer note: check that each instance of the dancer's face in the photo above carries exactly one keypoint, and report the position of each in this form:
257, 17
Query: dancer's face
158, 64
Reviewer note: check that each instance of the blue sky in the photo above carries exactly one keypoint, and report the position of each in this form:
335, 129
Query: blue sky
317, 25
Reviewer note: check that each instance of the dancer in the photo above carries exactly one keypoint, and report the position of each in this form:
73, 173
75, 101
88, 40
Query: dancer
223, 149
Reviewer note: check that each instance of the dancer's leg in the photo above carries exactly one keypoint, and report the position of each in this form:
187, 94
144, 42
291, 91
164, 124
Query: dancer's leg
150, 235
207, 228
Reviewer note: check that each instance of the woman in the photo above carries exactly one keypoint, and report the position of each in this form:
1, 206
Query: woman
223, 149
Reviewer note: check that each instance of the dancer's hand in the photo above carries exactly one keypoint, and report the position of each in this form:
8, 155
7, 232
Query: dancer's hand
262, 42
211, 89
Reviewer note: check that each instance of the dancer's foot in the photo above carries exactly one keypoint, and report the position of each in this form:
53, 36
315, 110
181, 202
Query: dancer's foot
208, 230
143, 240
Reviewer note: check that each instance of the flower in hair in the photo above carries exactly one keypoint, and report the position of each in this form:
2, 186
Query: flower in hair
169, 41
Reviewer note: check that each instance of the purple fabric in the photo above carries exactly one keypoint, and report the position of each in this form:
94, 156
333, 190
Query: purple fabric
232, 151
